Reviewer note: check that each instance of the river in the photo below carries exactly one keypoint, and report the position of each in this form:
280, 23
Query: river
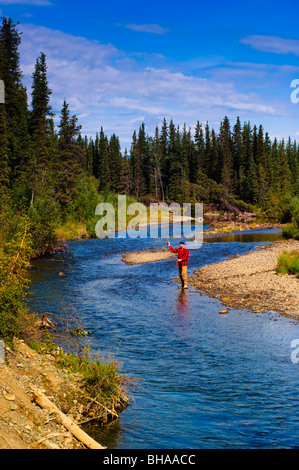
207, 381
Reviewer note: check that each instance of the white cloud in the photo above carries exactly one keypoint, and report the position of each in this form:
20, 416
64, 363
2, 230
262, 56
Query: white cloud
107, 88
273, 44
147, 28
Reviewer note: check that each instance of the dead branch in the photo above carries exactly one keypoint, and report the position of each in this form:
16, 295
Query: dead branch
67, 422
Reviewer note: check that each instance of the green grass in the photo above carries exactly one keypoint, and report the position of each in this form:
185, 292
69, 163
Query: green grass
70, 230
104, 385
288, 263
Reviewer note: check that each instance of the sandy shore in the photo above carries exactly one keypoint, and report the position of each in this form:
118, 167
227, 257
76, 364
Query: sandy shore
250, 281
146, 256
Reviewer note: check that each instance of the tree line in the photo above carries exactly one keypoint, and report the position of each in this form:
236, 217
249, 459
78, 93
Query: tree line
54, 175
238, 163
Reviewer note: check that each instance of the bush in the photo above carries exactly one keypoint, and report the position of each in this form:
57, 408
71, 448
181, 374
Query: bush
13, 284
294, 211
290, 232
288, 263
43, 217
106, 388
84, 202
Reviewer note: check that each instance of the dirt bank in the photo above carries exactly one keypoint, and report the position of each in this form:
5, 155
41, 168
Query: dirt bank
23, 424
250, 281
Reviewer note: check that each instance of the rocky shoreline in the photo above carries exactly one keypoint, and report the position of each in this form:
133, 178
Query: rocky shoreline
244, 282
250, 281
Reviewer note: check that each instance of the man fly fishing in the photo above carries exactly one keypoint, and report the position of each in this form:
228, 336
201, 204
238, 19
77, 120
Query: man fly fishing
182, 262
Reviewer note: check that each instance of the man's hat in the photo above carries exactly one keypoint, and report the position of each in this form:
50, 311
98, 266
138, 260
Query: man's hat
183, 242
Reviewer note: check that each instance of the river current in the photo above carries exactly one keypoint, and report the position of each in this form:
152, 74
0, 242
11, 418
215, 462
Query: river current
207, 381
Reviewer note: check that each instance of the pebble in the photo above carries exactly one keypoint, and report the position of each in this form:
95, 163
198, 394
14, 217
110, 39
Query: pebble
9, 397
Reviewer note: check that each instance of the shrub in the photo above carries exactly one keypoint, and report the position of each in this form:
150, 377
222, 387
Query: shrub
106, 388
294, 210
13, 284
290, 232
288, 263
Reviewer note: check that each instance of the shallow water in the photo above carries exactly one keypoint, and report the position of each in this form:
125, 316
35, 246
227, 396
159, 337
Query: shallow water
207, 380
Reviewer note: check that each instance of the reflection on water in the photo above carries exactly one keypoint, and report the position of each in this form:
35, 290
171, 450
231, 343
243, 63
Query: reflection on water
207, 380
182, 303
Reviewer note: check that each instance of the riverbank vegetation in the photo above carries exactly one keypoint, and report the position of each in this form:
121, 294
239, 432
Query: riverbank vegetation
288, 263
292, 230
106, 390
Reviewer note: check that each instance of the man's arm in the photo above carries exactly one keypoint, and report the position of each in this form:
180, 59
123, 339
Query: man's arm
174, 250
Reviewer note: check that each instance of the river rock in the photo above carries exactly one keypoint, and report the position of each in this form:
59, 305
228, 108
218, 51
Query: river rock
9, 397
223, 312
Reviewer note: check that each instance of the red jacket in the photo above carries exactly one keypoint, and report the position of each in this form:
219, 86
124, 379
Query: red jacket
183, 255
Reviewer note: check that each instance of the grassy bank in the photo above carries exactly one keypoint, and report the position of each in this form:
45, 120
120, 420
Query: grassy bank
288, 263
291, 232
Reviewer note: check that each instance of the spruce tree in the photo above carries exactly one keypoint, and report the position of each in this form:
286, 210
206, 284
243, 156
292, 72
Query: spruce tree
199, 163
103, 166
41, 127
226, 145
208, 151
283, 177
164, 158
155, 154
70, 160
96, 159
15, 108
125, 182
215, 168
238, 164
136, 168
176, 189
115, 163
41, 95
261, 162
144, 159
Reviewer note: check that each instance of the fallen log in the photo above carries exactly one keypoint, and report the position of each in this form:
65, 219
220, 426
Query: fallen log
67, 422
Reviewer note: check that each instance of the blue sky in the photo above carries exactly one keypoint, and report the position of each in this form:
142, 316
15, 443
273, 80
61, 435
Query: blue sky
121, 63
